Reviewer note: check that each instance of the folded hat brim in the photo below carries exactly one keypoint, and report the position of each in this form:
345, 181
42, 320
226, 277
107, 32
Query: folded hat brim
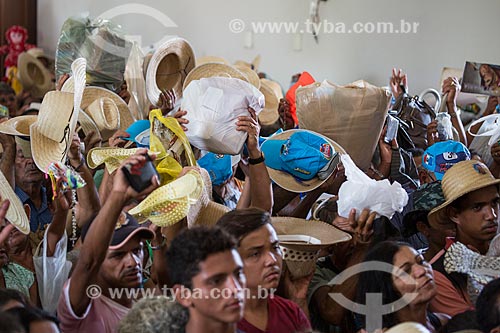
45, 150
90, 94
15, 214
27, 64
326, 233
439, 213
19, 126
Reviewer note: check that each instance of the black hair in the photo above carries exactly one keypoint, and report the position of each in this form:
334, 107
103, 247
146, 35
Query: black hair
6, 89
410, 222
10, 324
377, 281
191, 247
240, 222
8, 295
30, 315
488, 306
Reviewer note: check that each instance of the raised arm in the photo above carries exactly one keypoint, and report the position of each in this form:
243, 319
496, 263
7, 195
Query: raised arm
261, 193
451, 87
99, 235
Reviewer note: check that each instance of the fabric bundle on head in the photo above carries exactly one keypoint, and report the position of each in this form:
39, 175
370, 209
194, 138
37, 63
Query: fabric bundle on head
302, 240
15, 214
300, 160
170, 203
214, 106
168, 68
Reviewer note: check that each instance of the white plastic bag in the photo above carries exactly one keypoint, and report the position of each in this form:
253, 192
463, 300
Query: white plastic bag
360, 192
51, 272
213, 106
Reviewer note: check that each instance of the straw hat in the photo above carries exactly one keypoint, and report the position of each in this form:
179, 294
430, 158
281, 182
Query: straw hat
106, 116
19, 126
112, 157
253, 77
205, 211
170, 203
286, 180
33, 75
269, 115
168, 68
214, 69
301, 241
15, 214
462, 178
91, 94
206, 59
51, 134
253, 65
408, 327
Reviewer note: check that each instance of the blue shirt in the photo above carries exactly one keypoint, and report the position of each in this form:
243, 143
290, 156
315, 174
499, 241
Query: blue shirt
39, 217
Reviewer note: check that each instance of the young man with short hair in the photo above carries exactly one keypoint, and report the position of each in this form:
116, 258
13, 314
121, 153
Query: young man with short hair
472, 198
207, 275
259, 248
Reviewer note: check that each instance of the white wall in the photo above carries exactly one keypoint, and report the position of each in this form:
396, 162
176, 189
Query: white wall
449, 33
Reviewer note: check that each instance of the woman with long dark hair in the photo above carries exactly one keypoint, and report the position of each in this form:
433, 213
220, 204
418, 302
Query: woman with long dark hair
410, 275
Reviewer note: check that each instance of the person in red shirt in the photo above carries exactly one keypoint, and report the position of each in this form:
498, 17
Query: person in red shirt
262, 258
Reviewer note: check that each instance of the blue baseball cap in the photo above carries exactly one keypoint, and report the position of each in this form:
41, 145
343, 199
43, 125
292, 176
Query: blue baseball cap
443, 155
139, 133
219, 167
303, 155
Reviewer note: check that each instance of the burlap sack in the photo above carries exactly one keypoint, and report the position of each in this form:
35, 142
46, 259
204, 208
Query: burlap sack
351, 115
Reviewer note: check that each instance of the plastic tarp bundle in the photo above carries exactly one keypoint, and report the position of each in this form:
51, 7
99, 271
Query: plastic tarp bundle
213, 106
360, 192
351, 115
101, 43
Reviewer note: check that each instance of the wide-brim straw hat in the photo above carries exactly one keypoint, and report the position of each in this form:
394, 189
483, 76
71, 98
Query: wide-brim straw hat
252, 76
269, 115
213, 70
33, 75
51, 134
111, 157
462, 178
207, 59
253, 65
286, 180
302, 240
106, 116
170, 203
303, 235
19, 126
205, 211
15, 214
168, 68
91, 94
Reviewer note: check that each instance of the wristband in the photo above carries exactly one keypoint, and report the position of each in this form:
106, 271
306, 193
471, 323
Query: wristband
254, 161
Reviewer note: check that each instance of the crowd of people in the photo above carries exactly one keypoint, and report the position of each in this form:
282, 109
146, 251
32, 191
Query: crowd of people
247, 242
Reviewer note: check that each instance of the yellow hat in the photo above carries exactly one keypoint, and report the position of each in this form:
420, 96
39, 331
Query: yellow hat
170, 203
